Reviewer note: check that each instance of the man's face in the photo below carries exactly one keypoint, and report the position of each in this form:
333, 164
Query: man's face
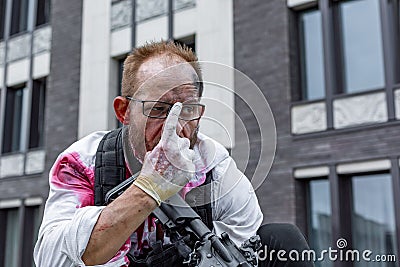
159, 81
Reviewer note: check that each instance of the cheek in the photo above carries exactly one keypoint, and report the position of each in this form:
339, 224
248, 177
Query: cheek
153, 130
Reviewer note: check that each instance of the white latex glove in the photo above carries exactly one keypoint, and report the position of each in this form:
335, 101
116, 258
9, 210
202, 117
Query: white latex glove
169, 166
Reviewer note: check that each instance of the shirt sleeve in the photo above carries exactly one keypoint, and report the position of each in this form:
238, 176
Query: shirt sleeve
69, 216
236, 210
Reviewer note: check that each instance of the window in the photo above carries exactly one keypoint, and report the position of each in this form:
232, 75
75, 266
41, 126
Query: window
36, 131
19, 17
362, 45
13, 118
42, 12
373, 221
396, 44
31, 229
311, 55
2, 17
11, 237
189, 41
320, 218
17, 241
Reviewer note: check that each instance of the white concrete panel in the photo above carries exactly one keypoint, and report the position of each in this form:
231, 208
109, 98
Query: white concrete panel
311, 172
121, 42
12, 165
42, 39
35, 162
94, 102
10, 203
2, 52
152, 30
214, 29
33, 201
214, 42
185, 23
300, 3
357, 110
121, 14
1, 74
18, 72
397, 103
365, 166
309, 118
41, 65
18, 47
219, 118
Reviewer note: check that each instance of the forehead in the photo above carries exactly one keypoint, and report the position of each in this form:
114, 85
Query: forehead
166, 75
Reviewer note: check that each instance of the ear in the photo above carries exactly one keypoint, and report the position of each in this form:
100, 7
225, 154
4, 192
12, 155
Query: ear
121, 109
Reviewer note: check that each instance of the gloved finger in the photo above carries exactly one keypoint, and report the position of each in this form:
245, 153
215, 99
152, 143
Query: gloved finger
169, 131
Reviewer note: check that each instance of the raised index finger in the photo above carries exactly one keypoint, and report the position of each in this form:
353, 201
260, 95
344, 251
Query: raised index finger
171, 122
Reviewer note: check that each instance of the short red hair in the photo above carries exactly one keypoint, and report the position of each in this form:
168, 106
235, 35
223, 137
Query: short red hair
140, 54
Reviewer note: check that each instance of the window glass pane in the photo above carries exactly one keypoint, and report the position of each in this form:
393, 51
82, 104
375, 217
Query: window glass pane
12, 238
12, 122
42, 12
31, 228
19, 19
320, 218
362, 45
311, 55
189, 41
2, 17
373, 220
36, 131
397, 40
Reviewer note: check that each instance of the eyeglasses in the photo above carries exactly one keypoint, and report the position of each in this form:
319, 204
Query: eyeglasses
160, 110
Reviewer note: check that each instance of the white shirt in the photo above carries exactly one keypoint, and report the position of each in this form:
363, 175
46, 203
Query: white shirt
70, 214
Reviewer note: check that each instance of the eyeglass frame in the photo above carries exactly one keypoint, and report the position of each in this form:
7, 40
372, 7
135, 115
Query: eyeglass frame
169, 109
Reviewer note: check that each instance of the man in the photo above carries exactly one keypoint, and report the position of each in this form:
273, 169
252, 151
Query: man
160, 108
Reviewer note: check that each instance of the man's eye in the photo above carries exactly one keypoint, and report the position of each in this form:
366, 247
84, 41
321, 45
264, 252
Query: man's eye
156, 108
187, 109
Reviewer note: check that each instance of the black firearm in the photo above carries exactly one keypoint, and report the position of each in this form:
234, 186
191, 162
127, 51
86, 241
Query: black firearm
194, 241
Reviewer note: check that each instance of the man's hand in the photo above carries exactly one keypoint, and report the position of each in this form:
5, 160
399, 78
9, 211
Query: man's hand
169, 166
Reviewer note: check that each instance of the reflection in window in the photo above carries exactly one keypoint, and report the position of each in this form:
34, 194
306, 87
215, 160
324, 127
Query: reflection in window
320, 218
373, 220
12, 238
31, 228
36, 129
12, 122
2, 17
19, 19
362, 45
42, 12
311, 56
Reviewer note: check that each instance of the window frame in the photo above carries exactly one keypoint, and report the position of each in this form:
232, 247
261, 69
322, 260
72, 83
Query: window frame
333, 57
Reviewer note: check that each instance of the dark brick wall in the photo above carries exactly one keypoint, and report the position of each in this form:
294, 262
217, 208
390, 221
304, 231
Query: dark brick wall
63, 93
262, 51
62, 97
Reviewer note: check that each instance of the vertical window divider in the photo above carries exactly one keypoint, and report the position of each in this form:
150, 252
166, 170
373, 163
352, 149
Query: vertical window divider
395, 173
133, 26
335, 204
388, 55
29, 84
21, 218
328, 45
7, 26
341, 228
171, 20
